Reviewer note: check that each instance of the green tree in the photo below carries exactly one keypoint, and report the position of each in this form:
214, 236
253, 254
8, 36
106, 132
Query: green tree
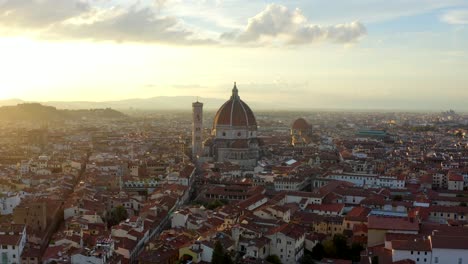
218, 254
329, 248
214, 204
307, 259
318, 252
117, 215
273, 259
227, 258
356, 249
341, 247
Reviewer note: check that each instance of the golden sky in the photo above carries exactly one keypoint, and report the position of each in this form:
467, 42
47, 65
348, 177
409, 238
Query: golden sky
393, 55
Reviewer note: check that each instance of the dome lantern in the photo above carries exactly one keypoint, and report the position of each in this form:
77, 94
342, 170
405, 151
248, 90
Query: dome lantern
235, 92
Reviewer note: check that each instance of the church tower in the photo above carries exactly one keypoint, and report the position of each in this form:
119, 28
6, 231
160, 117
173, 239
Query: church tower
197, 129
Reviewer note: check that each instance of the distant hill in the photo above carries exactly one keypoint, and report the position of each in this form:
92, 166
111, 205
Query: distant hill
13, 101
154, 103
36, 111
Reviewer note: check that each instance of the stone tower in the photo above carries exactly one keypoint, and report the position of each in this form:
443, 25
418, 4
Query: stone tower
197, 129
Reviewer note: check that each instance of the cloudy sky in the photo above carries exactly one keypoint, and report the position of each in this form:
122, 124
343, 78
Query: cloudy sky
407, 54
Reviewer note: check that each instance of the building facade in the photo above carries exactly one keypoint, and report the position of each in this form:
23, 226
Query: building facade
12, 242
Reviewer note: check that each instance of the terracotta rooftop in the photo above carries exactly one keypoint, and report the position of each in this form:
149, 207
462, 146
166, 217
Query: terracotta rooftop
392, 223
450, 242
412, 245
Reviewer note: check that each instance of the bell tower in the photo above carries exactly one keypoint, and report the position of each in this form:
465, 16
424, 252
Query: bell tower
197, 129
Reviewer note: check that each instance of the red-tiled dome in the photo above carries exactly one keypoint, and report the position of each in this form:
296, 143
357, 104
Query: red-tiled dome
235, 113
300, 124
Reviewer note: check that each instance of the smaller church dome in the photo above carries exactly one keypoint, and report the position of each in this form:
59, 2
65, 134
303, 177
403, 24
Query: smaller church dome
301, 124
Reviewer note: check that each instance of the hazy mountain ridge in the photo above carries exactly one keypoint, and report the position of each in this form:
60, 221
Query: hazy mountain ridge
154, 103
11, 102
36, 111
184, 103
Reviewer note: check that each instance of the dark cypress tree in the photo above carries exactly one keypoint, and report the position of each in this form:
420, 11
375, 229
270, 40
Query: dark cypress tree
273, 259
218, 254
227, 259
318, 251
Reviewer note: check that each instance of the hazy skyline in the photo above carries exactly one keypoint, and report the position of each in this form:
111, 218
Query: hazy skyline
311, 54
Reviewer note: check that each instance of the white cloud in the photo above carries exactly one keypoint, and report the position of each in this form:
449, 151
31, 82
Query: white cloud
277, 22
457, 17
36, 14
79, 19
135, 25
160, 4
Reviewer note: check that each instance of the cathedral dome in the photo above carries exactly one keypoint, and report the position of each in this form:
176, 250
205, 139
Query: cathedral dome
235, 113
300, 124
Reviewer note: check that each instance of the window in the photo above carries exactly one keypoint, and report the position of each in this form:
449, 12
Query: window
425, 259
436, 260
417, 259
224, 134
411, 252
4, 247
460, 260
